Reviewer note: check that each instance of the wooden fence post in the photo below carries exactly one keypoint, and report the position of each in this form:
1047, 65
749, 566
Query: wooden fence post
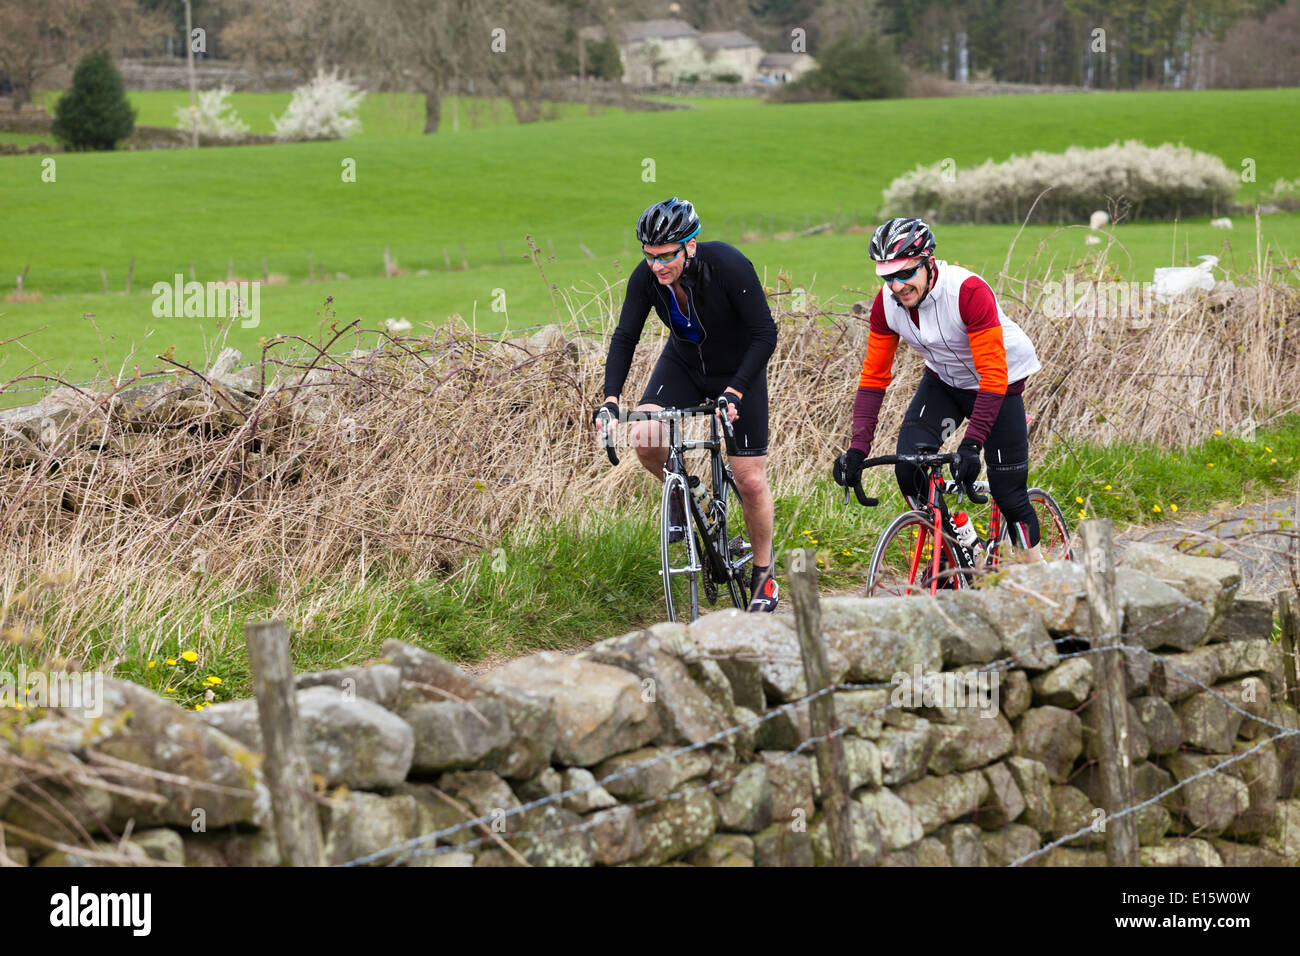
832, 770
1290, 618
288, 776
1108, 715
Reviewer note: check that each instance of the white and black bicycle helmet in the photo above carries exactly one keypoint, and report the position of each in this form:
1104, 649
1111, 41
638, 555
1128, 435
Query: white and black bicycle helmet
673, 220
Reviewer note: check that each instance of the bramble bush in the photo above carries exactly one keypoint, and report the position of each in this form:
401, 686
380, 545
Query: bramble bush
1161, 182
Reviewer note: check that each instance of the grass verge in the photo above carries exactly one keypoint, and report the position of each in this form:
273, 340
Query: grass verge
564, 585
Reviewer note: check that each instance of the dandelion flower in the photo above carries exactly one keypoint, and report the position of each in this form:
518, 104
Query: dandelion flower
1174, 508
813, 541
170, 690
1078, 500
1209, 464
151, 665
171, 662
1272, 461
189, 657
1107, 488
1218, 432
1157, 509
1267, 449
214, 680
846, 553
1082, 514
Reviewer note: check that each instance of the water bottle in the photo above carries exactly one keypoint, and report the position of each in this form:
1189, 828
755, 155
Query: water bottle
967, 536
702, 499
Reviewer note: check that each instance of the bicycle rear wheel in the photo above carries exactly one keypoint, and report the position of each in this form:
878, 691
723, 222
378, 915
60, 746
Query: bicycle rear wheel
1054, 533
681, 565
903, 562
732, 538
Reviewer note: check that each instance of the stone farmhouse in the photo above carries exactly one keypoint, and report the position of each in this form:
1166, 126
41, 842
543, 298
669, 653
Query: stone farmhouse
655, 52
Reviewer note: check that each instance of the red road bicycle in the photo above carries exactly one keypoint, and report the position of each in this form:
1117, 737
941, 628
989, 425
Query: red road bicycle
906, 560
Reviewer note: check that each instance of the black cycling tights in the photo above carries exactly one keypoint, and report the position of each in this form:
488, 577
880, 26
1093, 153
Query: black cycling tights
936, 412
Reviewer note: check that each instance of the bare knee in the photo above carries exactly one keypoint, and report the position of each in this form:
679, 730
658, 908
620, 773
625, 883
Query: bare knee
751, 483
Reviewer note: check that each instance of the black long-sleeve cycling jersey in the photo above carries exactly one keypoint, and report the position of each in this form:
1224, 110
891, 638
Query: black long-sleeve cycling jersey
727, 302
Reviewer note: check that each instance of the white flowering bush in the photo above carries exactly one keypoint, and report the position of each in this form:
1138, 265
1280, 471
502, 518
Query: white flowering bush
216, 118
1160, 182
325, 108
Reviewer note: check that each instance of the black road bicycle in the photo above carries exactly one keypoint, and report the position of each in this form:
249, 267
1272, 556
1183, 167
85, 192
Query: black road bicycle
712, 549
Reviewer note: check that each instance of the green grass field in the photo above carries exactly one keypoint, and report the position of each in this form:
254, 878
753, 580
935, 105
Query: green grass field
581, 181
64, 332
383, 115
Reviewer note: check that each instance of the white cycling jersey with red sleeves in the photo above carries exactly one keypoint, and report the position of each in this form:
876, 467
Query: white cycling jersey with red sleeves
943, 334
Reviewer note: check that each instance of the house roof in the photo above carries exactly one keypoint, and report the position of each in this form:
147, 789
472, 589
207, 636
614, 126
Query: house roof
772, 60
638, 31
725, 40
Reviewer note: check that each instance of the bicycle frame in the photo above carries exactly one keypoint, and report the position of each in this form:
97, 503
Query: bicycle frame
719, 565
675, 473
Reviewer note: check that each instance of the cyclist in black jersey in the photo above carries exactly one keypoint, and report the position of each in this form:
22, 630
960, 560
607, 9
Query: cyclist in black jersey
721, 335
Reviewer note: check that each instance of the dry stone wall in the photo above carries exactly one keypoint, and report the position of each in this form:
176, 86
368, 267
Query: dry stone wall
690, 745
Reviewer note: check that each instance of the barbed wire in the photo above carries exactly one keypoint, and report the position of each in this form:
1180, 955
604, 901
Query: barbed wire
426, 844
1088, 828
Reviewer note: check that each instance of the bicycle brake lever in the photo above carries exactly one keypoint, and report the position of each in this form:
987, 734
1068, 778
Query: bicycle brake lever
973, 495
728, 433
605, 439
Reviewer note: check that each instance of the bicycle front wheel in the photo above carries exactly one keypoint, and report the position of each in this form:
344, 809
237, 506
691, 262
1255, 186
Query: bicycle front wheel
680, 558
1054, 533
903, 562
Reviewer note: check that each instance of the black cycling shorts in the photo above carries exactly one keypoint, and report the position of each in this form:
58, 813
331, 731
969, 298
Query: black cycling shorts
936, 411
675, 385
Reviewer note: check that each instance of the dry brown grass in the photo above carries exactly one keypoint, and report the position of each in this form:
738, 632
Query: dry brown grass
184, 491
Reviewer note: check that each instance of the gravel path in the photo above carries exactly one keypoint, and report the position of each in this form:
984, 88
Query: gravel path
1260, 537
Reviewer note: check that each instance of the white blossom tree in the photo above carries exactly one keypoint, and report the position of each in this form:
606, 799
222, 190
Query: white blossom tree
215, 117
325, 108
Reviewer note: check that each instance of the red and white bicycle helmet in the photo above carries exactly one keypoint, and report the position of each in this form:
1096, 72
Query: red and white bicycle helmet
898, 242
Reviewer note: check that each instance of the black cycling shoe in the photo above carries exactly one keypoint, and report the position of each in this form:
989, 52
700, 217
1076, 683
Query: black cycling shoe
766, 596
676, 520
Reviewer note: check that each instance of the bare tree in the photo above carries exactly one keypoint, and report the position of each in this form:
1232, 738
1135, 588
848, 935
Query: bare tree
442, 47
303, 35
37, 38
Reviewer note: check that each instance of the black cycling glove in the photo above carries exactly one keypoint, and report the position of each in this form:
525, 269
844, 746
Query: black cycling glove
967, 466
734, 400
848, 467
613, 410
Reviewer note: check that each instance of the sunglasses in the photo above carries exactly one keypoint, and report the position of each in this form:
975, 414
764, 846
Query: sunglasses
666, 257
901, 276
